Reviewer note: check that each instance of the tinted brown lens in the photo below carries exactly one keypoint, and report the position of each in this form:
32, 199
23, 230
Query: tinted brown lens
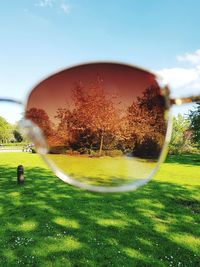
104, 123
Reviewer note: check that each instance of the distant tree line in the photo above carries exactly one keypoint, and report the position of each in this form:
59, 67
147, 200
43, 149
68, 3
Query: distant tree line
186, 133
9, 133
97, 123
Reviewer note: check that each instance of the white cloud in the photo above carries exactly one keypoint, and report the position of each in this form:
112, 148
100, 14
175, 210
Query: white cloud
65, 8
184, 81
179, 77
45, 3
58, 5
193, 58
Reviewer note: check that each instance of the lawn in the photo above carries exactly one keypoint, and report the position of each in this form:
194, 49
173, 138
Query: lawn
48, 223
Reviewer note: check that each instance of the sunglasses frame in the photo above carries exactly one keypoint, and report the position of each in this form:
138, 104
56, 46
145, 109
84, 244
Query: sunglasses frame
36, 135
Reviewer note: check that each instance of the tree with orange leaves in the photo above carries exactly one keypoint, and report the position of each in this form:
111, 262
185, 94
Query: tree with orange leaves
94, 118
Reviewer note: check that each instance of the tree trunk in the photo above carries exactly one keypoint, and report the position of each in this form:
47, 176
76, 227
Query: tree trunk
101, 145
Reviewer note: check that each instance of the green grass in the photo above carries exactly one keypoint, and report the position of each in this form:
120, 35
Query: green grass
48, 223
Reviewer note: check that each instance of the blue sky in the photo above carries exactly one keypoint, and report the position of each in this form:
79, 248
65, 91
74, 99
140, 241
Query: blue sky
38, 37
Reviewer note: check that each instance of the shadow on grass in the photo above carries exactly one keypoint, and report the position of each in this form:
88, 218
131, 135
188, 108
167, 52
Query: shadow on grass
48, 223
188, 159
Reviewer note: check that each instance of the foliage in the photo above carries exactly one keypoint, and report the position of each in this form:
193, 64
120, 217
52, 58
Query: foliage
98, 121
5, 131
17, 135
33, 150
92, 123
147, 148
147, 126
10, 134
181, 134
194, 117
40, 118
58, 150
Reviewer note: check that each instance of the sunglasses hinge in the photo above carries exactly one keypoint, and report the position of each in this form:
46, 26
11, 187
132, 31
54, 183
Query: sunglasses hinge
184, 100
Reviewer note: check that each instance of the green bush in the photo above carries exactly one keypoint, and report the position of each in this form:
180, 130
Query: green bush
147, 149
34, 150
58, 150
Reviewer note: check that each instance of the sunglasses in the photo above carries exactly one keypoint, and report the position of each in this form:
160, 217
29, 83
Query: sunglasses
103, 127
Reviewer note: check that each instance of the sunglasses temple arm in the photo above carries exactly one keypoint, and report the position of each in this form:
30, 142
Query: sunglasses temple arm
184, 100
10, 100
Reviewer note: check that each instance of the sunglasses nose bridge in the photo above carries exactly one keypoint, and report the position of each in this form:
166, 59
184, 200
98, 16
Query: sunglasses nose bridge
35, 135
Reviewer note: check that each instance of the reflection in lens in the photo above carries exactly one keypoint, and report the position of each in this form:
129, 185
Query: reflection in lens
104, 123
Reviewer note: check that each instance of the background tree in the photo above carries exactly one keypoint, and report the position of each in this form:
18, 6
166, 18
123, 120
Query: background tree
194, 116
41, 119
180, 140
147, 126
67, 126
6, 134
93, 121
17, 135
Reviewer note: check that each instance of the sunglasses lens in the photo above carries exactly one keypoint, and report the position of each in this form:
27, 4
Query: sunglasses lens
104, 123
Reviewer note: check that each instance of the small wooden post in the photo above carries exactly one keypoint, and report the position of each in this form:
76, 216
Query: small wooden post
20, 174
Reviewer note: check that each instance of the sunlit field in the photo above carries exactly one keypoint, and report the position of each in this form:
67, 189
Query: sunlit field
45, 222
104, 171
